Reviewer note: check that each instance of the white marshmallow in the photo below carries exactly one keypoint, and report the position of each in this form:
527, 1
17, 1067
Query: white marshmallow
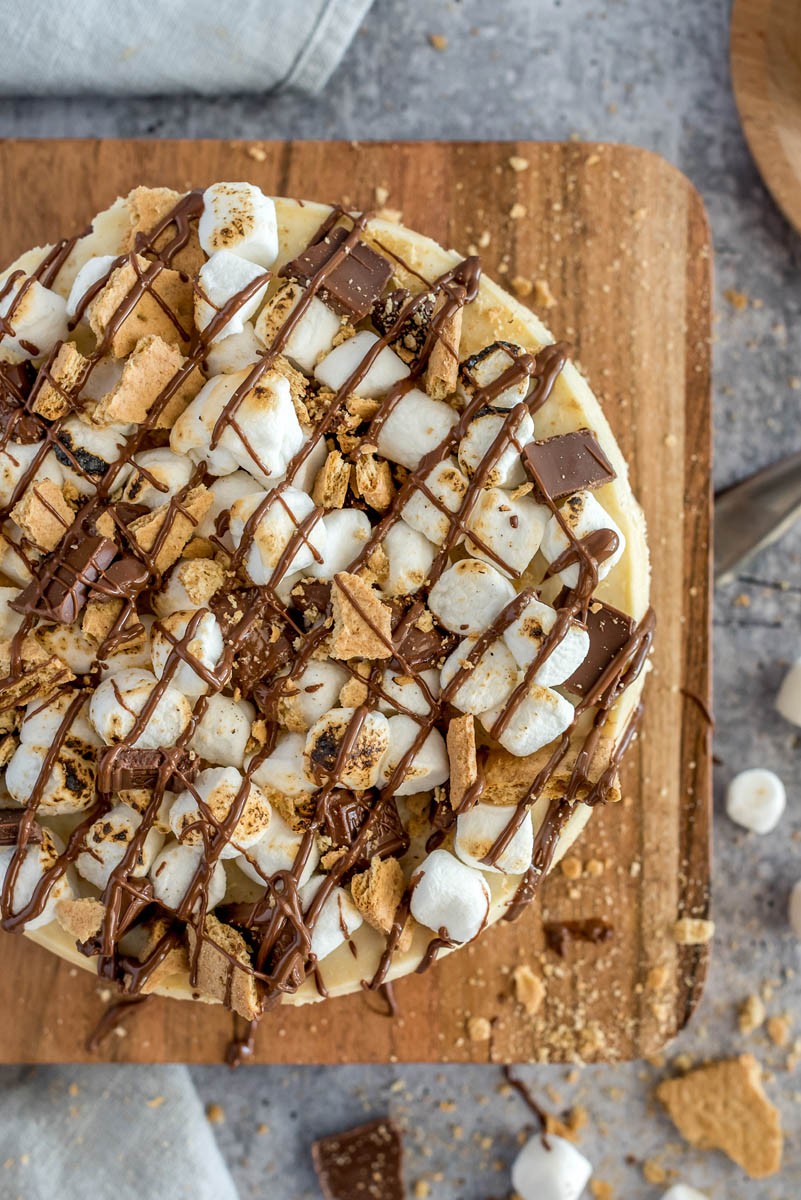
428, 768
12, 563
37, 859
313, 333
525, 636
788, 701
70, 645
107, 842
312, 693
135, 653
276, 850
512, 529
337, 367
409, 557
15, 463
277, 526
188, 587
477, 832
361, 767
223, 277
448, 895
174, 869
508, 470
756, 800
304, 477
583, 515
39, 319
103, 378
488, 366
794, 909
541, 717
445, 482
205, 648
42, 722
284, 769
681, 1191
70, 786
489, 682
92, 271
10, 621
347, 530
93, 449
224, 492
114, 718
220, 788
240, 218
159, 466
406, 691
222, 733
468, 596
558, 1172
234, 351
416, 426
338, 919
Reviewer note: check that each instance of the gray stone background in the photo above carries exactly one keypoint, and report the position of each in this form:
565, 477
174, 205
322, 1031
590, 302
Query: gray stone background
654, 73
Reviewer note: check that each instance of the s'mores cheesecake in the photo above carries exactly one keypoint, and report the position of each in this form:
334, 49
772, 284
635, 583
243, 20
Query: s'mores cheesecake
323, 599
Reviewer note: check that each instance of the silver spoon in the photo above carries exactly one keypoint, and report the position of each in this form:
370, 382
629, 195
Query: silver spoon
755, 512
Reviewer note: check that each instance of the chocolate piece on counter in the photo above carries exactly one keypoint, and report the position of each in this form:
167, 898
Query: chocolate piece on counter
10, 821
609, 630
121, 768
353, 286
64, 594
568, 463
559, 934
410, 339
345, 815
260, 653
363, 1162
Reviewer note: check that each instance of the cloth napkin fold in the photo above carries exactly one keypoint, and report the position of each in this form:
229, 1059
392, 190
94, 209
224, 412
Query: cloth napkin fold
154, 47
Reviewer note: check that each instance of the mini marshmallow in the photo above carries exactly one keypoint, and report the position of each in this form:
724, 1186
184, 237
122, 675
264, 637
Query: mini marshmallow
361, 766
448, 485
415, 426
337, 921
86, 452
405, 690
190, 585
15, 463
240, 218
70, 645
525, 636
490, 681
173, 871
552, 1171
788, 701
12, 564
117, 702
511, 529
409, 557
135, 653
277, 526
794, 909
479, 829
468, 596
347, 531
10, 621
38, 319
284, 770
36, 860
92, 271
681, 1191
276, 850
337, 367
42, 722
225, 491
508, 470
756, 800
107, 842
541, 717
487, 366
309, 695
222, 732
270, 432
220, 280
160, 469
429, 767
70, 787
312, 334
304, 476
234, 351
219, 789
449, 896
583, 515
205, 648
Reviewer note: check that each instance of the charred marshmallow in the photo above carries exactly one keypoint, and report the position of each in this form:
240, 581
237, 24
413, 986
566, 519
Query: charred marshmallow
352, 756
36, 860
240, 218
107, 842
583, 515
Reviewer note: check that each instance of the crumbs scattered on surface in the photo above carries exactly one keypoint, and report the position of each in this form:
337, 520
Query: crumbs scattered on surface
215, 1114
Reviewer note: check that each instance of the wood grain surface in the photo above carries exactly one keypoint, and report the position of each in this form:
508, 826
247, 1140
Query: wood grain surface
621, 239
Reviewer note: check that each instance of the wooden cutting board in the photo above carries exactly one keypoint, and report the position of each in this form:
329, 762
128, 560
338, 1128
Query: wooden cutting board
621, 239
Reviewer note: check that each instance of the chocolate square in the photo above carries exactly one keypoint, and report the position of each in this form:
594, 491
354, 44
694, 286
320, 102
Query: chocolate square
609, 630
568, 463
129, 768
353, 286
365, 1163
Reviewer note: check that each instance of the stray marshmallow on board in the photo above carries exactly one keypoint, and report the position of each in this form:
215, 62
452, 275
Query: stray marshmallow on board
552, 1171
756, 800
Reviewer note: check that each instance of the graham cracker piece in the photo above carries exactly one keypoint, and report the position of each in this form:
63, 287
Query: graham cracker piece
275, 312
8, 746
296, 811
82, 918
373, 482
461, 743
721, 1106
147, 316
105, 526
443, 365
201, 578
55, 398
214, 968
377, 892
298, 387
146, 208
529, 989
141, 940
507, 779
354, 692
99, 617
331, 484
182, 522
43, 514
362, 623
42, 673
152, 364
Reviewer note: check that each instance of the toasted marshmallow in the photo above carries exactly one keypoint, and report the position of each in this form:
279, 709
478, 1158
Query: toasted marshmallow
449, 896
794, 909
583, 515
347, 530
304, 476
277, 526
161, 476
240, 218
313, 332
507, 471
225, 491
469, 596
135, 653
487, 366
270, 432
172, 873
15, 464
429, 767
525, 637
788, 701
37, 859
550, 1171
190, 585
277, 850
107, 842
511, 529
92, 271
86, 452
309, 695
117, 702
490, 680
681, 1191
337, 920
106, 373
220, 789
284, 769
415, 426
38, 319
361, 766
205, 649
403, 692
222, 732
70, 787
221, 280
477, 832
43, 721
10, 621
409, 556
234, 351
541, 717
336, 368
756, 800
12, 564
448, 485
71, 646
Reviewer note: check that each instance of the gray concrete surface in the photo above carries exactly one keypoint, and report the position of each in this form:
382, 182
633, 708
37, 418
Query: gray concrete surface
654, 73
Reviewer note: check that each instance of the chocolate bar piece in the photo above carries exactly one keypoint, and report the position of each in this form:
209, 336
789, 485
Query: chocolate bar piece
10, 821
64, 594
353, 286
259, 654
568, 463
121, 768
345, 815
17, 425
363, 1162
125, 577
609, 630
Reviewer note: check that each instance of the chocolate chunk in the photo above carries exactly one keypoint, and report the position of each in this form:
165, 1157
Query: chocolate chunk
128, 511
260, 653
571, 462
353, 286
311, 598
122, 768
16, 424
363, 1162
10, 821
64, 594
559, 934
609, 630
409, 340
125, 577
424, 647
345, 815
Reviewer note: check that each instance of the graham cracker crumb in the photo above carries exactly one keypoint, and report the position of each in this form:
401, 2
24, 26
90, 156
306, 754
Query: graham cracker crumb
373, 482
778, 1029
61, 381
517, 211
145, 529
517, 163
653, 1171
362, 623
439, 42
529, 989
594, 866
354, 692
693, 931
215, 1114
479, 1029
214, 967
571, 867
543, 296
377, 892
461, 744
751, 1015
81, 918
601, 1190
521, 286
738, 300
331, 484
